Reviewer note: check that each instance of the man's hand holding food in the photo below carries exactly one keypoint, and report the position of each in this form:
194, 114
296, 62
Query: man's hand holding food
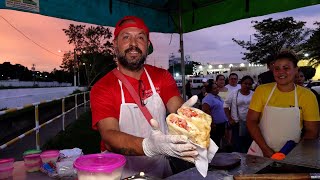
170, 145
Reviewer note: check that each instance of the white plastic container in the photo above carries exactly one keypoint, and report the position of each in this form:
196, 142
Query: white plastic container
100, 166
6, 163
6, 173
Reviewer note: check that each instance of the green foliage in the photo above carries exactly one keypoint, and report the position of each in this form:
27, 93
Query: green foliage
312, 47
308, 71
62, 76
18, 71
188, 68
93, 53
78, 134
271, 37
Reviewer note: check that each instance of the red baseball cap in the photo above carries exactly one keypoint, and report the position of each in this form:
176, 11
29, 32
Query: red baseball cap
137, 22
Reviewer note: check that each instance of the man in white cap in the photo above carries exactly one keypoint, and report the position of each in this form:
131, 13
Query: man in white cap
205, 82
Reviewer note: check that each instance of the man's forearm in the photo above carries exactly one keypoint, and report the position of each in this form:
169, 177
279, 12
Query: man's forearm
123, 143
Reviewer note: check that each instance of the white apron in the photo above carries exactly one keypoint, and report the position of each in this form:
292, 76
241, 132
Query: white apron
278, 125
132, 121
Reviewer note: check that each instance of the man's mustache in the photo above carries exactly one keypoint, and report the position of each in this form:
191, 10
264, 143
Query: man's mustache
133, 48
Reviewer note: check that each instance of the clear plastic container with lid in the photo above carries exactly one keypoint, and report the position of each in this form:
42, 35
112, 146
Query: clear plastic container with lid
32, 159
50, 156
5, 173
100, 166
33, 167
6, 163
31, 151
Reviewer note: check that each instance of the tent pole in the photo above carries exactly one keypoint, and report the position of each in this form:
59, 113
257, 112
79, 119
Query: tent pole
182, 53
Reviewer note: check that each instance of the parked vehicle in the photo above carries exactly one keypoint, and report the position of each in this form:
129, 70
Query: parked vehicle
196, 82
315, 85
179, 82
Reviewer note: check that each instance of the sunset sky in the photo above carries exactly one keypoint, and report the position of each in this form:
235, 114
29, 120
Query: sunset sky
212, 45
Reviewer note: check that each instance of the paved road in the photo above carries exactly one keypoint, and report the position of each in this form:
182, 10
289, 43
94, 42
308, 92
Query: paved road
46, 133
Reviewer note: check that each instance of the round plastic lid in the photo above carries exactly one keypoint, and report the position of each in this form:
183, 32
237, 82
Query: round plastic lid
32, 151
100, 162
32, 156
50, 153
2, 161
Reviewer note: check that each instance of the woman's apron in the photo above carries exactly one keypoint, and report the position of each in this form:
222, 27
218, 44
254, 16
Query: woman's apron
132, 121
278, 125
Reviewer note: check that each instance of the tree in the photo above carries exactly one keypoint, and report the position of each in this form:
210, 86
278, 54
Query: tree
93, 51
17, 71
312, 47
68, 62
176, 68
271, 37
62, 76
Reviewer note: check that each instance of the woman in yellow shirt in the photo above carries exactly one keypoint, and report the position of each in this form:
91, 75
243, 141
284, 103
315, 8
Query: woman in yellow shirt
279, 110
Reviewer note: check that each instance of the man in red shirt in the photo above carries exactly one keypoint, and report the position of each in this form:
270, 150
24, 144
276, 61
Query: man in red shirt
123, 127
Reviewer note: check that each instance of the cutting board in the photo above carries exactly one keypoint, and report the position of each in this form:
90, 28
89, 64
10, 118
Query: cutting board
225, 161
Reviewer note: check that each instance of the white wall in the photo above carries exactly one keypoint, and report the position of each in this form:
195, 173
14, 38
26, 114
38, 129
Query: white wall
11, 98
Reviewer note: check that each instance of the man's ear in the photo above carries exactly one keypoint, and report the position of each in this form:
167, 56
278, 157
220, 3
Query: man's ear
115, 43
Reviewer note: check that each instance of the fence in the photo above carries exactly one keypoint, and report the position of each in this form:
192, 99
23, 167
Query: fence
36, 111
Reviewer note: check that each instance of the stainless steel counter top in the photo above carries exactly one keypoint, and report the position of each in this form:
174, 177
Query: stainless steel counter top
306, 153
249, 165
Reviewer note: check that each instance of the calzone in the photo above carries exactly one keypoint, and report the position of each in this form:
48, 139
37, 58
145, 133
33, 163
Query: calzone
191, 122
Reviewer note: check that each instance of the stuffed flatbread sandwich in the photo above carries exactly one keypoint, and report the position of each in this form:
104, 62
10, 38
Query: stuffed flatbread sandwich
193, 123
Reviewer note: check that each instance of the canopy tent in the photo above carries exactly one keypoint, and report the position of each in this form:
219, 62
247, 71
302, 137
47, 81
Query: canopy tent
166, 16
160, 15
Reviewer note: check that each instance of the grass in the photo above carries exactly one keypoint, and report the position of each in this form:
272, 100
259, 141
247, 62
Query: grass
78, 134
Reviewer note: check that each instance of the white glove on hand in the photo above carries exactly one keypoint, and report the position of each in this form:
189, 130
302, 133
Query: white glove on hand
170, 145
192, 101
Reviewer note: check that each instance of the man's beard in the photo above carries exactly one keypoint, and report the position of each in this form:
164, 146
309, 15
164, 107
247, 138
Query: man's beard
133, 65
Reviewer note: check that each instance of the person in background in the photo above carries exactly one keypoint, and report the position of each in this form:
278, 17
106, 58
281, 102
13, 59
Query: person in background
212, 104
223, 91
231, 86
188, 89
210, 81
233, 83
278, 111
116, 115
300, 78
236, 108
203, 92
205, 82
267, 77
